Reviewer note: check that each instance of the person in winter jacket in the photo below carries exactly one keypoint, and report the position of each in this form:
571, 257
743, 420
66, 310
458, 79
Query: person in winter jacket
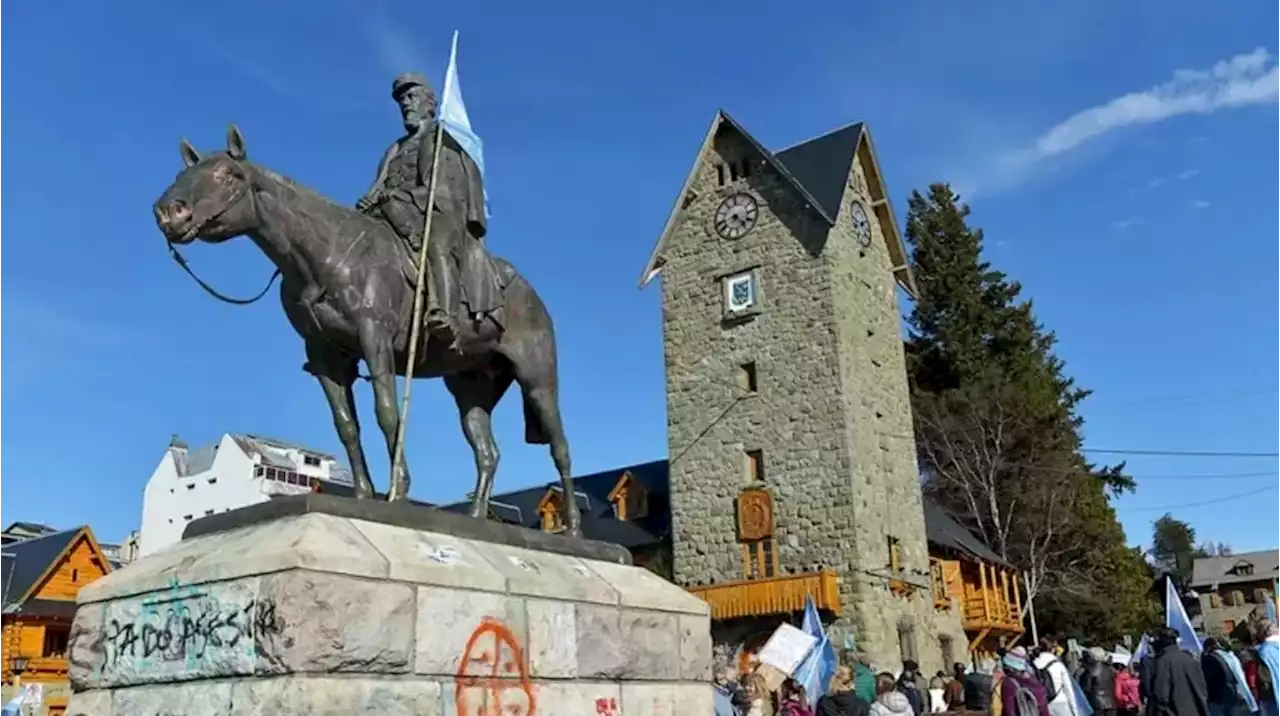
864, 679
977, 687
909, 683
792, 701
1177, 682
1225, 690
841, 699
1128, 690
890, 701
1098, 682
1061, 692
1017, 684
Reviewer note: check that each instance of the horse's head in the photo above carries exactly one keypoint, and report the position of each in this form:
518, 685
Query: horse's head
210, 198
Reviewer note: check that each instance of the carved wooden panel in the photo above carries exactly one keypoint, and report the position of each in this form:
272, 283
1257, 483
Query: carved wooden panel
755, 515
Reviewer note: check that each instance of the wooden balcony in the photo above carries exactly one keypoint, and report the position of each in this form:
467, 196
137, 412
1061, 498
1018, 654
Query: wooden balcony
44, 669
773, 595
994, 602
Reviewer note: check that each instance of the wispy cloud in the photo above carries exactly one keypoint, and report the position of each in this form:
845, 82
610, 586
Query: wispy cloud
1180, 176
396, 51
1126, 224
1200, 204
1247, 79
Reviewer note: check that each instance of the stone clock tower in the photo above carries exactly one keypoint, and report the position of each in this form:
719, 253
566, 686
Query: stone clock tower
789, 420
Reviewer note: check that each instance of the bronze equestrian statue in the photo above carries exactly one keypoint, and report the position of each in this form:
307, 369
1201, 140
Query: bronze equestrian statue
348, 289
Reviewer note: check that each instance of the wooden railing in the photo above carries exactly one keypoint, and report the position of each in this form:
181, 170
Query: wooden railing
45, 667
774, 595
994, 602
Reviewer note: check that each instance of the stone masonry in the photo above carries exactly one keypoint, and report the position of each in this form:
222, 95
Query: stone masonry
320, 614
831, 415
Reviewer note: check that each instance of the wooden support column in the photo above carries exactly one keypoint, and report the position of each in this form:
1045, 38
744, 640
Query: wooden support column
1005, 601
986, 595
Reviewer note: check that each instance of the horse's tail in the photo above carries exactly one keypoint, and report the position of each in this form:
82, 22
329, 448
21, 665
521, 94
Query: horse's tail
535, 431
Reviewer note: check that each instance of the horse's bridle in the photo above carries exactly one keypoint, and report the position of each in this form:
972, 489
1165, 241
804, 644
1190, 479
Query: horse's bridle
196, 228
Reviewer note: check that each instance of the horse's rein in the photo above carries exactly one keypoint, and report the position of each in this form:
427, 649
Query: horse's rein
182, 260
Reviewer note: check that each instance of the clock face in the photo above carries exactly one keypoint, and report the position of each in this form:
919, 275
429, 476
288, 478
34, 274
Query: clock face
736, 216
861, 225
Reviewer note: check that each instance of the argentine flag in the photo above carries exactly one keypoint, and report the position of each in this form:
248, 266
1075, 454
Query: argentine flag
1175, 617
817, 668
453, 115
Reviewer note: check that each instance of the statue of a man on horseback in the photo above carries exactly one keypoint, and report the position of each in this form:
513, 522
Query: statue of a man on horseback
463, 286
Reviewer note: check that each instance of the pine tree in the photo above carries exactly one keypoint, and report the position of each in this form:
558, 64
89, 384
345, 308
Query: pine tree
998, 430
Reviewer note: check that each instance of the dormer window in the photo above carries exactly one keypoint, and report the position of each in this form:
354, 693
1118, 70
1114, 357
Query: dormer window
630, 499
1242, 569
549, 512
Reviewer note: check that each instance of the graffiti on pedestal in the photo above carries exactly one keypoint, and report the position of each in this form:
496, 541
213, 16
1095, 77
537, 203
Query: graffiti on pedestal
493, 675
184, 626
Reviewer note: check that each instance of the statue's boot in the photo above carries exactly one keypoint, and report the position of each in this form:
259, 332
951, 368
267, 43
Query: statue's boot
443, 327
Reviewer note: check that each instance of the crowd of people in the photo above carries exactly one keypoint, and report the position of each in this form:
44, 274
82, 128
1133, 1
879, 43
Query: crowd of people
1042, 681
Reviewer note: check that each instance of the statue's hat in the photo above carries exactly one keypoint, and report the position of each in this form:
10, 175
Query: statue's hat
407, 80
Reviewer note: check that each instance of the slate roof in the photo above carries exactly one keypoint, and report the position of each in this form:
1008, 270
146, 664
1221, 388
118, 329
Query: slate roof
598, 521
823, 164
944, 531
1207, 571
27, 561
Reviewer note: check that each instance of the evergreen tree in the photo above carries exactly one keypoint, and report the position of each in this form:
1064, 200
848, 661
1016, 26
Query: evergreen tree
999, 434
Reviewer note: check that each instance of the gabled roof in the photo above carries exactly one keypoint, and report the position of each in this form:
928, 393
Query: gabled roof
272, 452
28, 563
818, 170
944, 531
1207, 571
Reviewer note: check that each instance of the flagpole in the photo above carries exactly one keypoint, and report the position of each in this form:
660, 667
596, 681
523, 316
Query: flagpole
415, 328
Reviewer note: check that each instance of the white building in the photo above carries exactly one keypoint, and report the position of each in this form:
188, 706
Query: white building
236, 471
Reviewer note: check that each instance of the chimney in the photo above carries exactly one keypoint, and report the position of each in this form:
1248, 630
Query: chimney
177, 443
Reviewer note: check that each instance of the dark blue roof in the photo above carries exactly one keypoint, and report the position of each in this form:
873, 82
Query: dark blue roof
28, 560
598, 521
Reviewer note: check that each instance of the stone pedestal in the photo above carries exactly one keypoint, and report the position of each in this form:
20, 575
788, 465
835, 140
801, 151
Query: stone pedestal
321, 605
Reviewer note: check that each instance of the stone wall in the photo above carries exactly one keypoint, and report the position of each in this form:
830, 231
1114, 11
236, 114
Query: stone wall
318, 614
831, 415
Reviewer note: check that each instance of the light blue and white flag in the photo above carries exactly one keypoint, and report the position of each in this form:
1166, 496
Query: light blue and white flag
1269, 604
817, 668
453, 115
1175, 617
1143, 650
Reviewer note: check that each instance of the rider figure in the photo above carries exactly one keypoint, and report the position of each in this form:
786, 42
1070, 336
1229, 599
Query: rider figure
461, 274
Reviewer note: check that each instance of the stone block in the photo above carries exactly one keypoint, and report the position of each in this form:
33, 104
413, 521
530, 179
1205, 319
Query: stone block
695, 648
332, 623
693, 698
575, 697
602, 650
547, 575
643, 589
650, 699
458, 629
430, 558
90, 703
553, 643
287, 696
204, 698
652, 644
313, 541
87, 647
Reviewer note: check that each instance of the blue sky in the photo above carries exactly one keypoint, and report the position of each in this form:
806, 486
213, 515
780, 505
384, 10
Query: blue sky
1121, 159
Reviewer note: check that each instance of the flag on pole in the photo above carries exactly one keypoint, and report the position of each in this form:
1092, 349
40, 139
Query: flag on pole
817, 668
453, 115
1143, 650
1175, 617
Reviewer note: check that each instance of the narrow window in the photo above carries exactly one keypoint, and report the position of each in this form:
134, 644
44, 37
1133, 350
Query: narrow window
310, 460
747, 377
759, 559
75, 575
720, 174
895, 557
746, 168
733, 171
755, 466
213, 481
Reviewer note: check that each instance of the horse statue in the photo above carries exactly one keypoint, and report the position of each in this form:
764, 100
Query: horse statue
345, 291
